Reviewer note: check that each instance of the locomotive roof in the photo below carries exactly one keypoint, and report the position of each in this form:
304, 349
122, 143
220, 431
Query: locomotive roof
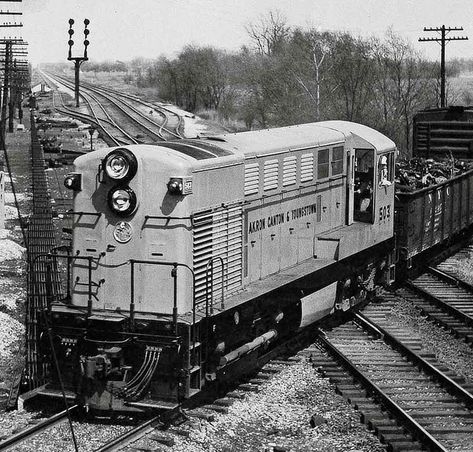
233, 148
267, 141
364, 133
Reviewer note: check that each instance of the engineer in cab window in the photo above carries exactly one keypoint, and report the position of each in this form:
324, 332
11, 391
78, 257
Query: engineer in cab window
383, 174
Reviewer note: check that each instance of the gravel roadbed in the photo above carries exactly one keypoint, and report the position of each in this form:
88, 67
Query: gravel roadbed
278, 418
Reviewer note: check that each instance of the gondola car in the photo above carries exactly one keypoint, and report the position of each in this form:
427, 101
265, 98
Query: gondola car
192, 258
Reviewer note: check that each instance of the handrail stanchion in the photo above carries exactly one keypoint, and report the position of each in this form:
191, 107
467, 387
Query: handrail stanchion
174, 309
49, 284
132, 301
68, 283
210, 268
89, 301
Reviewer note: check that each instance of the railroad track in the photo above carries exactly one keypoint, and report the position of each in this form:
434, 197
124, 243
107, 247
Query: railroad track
20, 438
165, 129
156, 434
409, 399
112, 133
445, 298
113, 111
450, 265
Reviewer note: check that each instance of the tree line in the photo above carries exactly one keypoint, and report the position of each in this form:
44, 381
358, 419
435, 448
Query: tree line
293, 75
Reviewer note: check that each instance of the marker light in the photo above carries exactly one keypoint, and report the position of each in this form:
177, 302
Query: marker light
73, 181
120, 164
180, 186
122, 200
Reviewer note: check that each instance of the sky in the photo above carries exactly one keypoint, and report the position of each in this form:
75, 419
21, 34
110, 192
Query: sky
125, 29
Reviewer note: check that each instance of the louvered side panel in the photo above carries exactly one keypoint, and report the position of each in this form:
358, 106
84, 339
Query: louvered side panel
271, 174
289, 171
307, 167
218, 234
251, 178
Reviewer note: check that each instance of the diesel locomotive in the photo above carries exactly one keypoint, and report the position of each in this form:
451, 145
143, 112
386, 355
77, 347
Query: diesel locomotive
193, 258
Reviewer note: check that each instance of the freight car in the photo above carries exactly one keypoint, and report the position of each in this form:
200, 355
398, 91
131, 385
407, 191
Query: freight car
444, 132
192, 258
432, 216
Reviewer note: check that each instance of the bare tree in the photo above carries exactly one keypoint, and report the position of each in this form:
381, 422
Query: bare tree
269, 34
307, 63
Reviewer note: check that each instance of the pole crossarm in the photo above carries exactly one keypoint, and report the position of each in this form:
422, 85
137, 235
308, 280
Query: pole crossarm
442, 40
13, 41
453, 38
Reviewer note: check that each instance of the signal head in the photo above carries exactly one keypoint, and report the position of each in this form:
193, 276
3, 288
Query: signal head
70, 42
86, 22
71, 22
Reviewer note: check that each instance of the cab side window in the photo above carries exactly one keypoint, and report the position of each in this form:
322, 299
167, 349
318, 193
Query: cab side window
323, 164
337, 160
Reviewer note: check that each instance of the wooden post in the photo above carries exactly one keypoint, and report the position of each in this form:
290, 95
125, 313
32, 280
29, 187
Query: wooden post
2, 198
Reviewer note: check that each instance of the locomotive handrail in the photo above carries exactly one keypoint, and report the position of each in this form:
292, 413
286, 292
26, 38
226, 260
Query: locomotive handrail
69, 257
207, 268
168, 218
72, 212
174, 266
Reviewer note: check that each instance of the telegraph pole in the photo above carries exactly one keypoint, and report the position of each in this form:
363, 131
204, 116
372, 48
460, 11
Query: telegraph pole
442, 40
78, 60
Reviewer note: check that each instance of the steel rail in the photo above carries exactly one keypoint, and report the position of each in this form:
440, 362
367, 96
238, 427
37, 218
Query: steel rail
99, 121
414, 427
159, 108
122, 109
82, 116
20, 437
106, 92
452, 310
131, 435
94, 118
450, 279
452, 387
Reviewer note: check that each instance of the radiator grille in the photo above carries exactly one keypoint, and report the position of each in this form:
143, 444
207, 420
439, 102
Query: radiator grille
218, 233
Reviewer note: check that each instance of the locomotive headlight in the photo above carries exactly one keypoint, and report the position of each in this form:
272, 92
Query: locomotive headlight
122, 200
120, 165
